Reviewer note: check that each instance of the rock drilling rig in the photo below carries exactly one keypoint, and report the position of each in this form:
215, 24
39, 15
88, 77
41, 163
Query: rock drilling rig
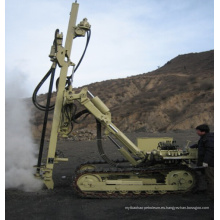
153, 166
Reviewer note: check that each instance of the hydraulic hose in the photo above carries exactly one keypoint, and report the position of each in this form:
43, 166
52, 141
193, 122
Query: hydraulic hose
87, 43
34, 96
106, 158
69, 79
47, 107
51, 71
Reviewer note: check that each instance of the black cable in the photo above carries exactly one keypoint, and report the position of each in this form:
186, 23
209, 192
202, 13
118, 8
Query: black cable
68, 81
144, 163
34, 96
69, 111
70, 78
101, 150
88, 33
45, 120
79, 114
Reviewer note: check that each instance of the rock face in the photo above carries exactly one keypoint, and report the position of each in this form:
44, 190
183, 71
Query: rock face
176, 96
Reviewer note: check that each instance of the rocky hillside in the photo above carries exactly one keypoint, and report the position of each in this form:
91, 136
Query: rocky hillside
176, 96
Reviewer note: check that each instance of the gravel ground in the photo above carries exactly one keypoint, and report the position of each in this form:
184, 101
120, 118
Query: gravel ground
63, 203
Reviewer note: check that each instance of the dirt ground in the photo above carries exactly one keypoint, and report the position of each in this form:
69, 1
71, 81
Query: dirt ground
63, 203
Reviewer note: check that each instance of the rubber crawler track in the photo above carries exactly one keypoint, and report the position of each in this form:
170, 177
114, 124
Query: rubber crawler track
143, 170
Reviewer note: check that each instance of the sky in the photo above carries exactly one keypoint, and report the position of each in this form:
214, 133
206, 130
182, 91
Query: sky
128, 37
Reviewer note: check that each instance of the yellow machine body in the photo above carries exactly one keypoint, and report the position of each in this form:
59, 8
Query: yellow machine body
154, 165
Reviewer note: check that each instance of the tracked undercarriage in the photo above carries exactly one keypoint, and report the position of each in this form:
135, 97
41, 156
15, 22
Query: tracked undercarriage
96, 180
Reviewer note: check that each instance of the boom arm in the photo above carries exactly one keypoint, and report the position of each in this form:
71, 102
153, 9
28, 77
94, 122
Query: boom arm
102, 113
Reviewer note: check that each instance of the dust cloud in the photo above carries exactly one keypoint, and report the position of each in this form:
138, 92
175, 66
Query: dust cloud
20, 150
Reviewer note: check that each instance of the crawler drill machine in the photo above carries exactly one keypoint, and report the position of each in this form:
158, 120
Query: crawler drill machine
153, 166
